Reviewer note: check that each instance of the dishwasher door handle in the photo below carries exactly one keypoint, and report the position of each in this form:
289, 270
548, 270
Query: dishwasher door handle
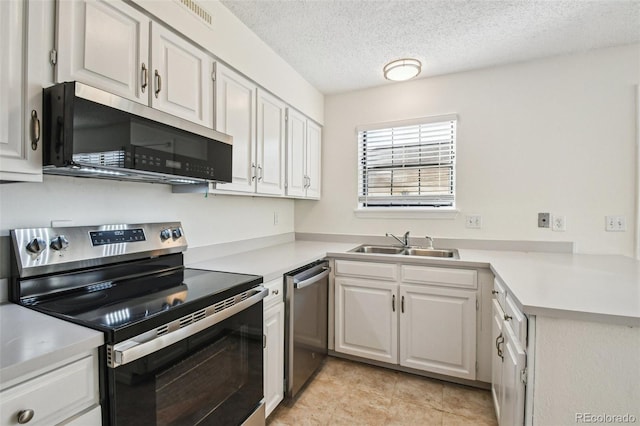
314, 279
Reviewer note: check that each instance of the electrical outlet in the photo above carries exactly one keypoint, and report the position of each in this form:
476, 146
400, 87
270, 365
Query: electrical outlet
559, 223
615, 223
474, 221
543, 220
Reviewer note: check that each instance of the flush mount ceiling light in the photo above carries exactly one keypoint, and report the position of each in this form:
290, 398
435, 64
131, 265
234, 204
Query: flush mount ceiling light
402, 69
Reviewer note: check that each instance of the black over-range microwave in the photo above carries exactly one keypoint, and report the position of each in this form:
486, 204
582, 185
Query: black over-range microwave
91, 133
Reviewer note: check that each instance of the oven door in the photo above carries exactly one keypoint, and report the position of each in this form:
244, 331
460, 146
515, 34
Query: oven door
213, 377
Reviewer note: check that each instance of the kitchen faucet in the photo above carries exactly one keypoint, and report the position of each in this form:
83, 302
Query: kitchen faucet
429, 242
404, 241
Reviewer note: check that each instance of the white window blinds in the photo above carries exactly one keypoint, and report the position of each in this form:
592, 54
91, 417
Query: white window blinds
410, 163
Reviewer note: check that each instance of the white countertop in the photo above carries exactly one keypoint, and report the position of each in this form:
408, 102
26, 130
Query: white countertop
272, 262
30, 340
589, 287
579, 286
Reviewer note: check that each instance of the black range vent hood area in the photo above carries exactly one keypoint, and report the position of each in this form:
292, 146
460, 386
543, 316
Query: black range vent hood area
91, 133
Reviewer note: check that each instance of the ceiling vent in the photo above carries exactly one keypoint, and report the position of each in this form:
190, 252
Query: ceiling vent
199, 11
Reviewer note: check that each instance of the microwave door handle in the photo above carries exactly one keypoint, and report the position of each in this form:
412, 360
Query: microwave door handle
312, 280
130, 350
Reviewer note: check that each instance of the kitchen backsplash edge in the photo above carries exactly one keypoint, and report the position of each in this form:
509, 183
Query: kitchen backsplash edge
446, 243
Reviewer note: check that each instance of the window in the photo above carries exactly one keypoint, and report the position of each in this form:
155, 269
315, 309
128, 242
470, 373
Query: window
408, 164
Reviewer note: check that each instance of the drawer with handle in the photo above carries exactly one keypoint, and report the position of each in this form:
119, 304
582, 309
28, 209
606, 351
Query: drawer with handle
275, 292
52, 397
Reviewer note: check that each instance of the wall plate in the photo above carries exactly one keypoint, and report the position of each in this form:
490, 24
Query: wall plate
543, 220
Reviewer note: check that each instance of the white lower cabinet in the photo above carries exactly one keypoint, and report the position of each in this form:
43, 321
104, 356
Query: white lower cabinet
509, 360
425, 327
497, 355
438, 331
63, 395
366, 319
273, 346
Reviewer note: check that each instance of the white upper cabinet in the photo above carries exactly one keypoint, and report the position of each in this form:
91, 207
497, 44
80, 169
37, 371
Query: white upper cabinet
314, 139
256, 121
105, 45
182, 77
22, 75
296, 153
114, 47
270, 144
235, 98
304, 139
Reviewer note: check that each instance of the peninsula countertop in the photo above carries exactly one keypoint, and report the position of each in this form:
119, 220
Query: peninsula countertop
604, 288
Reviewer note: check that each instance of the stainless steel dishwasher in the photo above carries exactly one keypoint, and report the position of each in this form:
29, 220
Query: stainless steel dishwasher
306, 297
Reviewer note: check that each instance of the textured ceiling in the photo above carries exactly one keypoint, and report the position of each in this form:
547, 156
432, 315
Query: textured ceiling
341, 45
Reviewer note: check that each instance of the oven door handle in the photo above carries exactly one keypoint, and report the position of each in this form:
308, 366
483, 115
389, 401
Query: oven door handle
314, 279
135, 348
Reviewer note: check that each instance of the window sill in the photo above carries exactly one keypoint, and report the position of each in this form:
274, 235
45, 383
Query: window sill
406, 213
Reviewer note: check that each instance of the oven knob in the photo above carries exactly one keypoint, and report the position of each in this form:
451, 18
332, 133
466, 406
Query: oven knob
36, 246
165, 234
59, 243
177, 233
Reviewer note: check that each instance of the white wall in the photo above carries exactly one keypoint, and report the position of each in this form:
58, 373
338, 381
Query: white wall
234, 43
211, 220
553, 135
585, 367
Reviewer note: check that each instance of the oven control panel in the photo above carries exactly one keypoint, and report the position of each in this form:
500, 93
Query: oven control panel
117, 236
45, 250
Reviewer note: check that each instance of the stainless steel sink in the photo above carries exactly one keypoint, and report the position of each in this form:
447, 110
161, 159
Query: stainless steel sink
431, 252
409, 251
378, 249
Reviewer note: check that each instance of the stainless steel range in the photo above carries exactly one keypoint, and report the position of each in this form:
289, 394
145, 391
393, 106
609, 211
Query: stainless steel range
183, 346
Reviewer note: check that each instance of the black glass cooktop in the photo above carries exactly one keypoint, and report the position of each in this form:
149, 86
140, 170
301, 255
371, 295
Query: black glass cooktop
145, 302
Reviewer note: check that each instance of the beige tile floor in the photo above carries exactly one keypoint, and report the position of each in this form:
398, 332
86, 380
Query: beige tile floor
350, 393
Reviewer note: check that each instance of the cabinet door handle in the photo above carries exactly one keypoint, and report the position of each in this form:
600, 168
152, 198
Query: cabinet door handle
276, 291
25, 416
260, 176
253, 172
500, 341
264, 341
144, 77
393, 303
35, 129
402, 305
495, 292
158, 83
507, 317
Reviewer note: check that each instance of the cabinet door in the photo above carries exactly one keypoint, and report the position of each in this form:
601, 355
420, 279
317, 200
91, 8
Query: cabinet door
496, 355
366, 319
296, 153
104, 44
270, 150
274, 356
22, 66
438, 330
515, 358
182, 77
313, 159
235, 115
